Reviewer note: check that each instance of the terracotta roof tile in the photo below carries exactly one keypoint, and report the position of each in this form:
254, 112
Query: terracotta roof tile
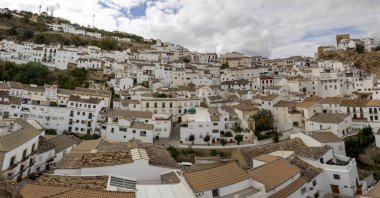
16, 138
325, 137
38, 191
288, 190
215, 177
89, 182
308, 172
274, 173
329, 117
63, 142
295, 145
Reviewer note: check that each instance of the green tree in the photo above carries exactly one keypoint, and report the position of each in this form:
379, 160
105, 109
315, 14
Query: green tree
51, 132
40, 39
228, 134
360, 48
353, 148
275, 136
8, 14
173, 151
186, 60
191, 139
108, 43
30, 73
28, 33
207, 139
238, 138
263, 121
223, 142
366, 136
13, 31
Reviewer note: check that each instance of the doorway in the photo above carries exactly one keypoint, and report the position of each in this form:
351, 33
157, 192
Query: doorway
335, 189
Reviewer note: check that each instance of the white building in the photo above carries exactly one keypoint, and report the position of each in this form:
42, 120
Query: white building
18, 147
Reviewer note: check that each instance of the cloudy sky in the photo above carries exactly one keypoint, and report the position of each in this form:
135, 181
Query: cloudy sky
274, 28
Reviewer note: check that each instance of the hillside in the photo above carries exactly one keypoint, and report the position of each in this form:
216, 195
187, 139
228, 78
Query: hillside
26, 26
367, 61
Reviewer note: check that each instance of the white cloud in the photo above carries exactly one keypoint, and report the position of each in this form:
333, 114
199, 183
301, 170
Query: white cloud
260, 27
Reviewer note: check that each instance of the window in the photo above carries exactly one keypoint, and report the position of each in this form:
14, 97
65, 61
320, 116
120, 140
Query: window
12, 162
24, 153
303, 190
134, 131
147, 105
215, 193
142, 133
336, 176
33, 147
314, 182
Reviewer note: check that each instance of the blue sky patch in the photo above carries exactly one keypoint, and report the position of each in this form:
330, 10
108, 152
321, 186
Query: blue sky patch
316, 34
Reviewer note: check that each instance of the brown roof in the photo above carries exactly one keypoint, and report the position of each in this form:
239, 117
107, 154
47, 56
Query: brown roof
89, 182
80, 160
14, 139
15, 85
273, 174
308, 172
325, 137
373, 103
266, 158
216, 177
44, 145
63, 142
284, 103
82, 90
305, 105
353, 103
86, 146
313, 99
269, 97
331, 100
109, 154
329, 117
364, 173
15, 100
132, 114
90, 100
288, 190
141, 125
170, 178
4, 86
38, 191
295, 145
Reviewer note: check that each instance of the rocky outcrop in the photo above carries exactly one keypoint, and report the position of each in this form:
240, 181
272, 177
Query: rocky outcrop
367, 61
